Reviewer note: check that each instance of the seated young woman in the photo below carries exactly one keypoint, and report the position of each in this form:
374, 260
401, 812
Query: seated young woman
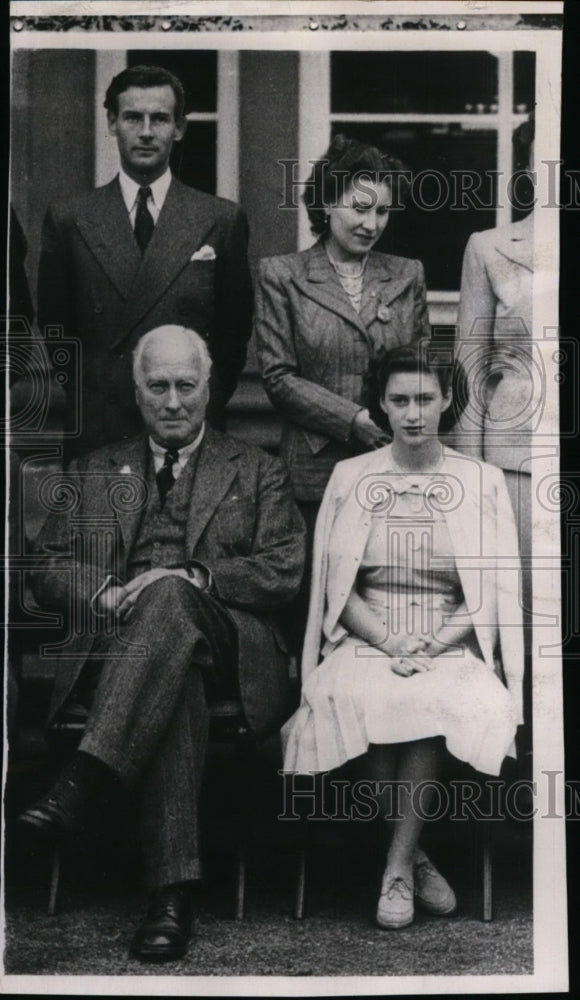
414, 644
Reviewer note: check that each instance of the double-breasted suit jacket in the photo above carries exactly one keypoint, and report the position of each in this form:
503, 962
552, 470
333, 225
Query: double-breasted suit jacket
314, 349
96, 285
495, 345
242, 525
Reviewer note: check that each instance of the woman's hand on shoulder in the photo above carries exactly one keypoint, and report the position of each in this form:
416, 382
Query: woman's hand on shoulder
364, 430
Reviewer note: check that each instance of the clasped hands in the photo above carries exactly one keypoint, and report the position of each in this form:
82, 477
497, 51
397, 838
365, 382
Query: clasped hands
120, 600
411, 654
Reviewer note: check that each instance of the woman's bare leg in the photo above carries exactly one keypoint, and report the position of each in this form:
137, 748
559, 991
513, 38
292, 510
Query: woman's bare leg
380, 769
418, 761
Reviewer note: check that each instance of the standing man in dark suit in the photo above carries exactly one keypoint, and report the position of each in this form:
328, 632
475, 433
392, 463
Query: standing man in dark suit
171, 605
142, 251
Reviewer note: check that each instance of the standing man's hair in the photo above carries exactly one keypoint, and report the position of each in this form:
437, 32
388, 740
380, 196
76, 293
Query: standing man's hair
144, 76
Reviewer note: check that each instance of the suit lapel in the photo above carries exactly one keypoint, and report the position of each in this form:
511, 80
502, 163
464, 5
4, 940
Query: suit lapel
381, 287
129, 491
516, 242
323, 286
182, 227
105, 227
213, 475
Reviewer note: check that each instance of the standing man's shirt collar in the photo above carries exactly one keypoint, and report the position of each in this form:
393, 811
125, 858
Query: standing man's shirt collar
130, 189
184, 454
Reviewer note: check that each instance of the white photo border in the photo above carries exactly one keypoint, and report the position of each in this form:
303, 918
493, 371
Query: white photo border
305, 31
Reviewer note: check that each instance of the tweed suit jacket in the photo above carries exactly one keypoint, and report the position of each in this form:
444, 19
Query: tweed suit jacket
314, 349
94, 282
495, 346
242, 524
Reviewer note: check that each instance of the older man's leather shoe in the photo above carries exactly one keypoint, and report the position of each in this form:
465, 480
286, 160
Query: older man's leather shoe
78, 799
164, 933
60, 813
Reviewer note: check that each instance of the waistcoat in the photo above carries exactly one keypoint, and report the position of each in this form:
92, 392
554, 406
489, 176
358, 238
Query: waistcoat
160, 541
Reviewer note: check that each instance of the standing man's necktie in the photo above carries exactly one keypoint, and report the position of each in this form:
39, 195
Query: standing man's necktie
164, 477
144, 224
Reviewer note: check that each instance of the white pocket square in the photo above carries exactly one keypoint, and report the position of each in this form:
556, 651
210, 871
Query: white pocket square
204, 253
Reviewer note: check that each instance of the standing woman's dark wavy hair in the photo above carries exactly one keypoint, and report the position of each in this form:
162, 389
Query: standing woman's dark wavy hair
345, 160
428, 358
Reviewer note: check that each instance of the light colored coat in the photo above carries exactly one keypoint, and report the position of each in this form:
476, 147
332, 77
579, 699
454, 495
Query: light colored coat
495, 345
476, 505
314, 349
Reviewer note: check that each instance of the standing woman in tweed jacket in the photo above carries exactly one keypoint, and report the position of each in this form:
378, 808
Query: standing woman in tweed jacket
323, 313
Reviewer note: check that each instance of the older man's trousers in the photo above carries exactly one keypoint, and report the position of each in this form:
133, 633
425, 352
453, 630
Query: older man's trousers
149, 717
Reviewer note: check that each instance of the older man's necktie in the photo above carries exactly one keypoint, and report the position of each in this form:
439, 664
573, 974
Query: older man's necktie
164, 477
144, 224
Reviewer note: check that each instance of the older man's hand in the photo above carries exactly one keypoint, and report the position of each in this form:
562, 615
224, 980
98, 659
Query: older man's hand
109, 599
121, 600
134, 587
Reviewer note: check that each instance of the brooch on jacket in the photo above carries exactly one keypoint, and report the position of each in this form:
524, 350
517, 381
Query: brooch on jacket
383, 312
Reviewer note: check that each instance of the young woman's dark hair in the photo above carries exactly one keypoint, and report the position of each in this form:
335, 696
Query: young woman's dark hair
345, 162
427, 357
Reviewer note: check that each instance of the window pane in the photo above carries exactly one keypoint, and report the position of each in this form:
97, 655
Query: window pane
196, 70
421, 82
193, 160
439, 158
524, 81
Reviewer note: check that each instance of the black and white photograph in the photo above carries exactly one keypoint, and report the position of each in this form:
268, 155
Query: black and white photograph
283, 691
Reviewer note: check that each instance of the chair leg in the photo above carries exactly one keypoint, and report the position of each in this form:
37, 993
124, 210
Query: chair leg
300, 900
299, 903
246, 808
54, 880
487, 873
240, 882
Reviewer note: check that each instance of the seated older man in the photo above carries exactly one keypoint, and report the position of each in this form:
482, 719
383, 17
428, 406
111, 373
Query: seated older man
191, 544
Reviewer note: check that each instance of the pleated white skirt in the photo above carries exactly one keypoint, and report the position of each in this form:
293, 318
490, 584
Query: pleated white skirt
353, 698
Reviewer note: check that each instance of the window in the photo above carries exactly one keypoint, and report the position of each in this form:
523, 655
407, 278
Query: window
193, 160
462, 121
